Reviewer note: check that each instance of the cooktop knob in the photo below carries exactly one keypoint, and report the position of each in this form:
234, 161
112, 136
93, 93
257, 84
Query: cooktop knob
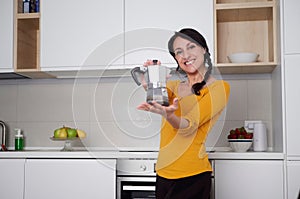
143, 167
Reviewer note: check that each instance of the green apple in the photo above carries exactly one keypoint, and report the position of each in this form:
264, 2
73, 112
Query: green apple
71, 132
56, 133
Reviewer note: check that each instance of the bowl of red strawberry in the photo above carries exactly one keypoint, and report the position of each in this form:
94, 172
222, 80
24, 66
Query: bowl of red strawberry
240, 140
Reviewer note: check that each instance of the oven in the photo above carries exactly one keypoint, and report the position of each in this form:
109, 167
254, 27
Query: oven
136, 179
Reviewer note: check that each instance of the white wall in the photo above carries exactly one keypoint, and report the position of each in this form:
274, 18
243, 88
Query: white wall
106, 109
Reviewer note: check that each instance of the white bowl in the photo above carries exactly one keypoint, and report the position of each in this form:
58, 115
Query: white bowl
245, 57
240, 145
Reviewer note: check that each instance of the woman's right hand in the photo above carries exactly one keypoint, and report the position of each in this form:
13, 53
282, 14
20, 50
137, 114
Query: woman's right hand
167, 112
151, 62
155, 107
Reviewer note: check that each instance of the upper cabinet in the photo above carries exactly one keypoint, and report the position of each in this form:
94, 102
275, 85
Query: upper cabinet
73, 35
6, 35
291, 30
27, 39
76, 34
27, 34
150, 24
246, 26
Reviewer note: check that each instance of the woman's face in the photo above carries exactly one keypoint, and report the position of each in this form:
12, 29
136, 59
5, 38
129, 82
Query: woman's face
189, 55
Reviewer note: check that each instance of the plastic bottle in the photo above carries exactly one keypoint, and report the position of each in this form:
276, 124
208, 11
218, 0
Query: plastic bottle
26, 6
19, 140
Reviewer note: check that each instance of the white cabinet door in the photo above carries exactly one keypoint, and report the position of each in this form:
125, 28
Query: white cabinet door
77, 33
70, 178
6, 35
292, 99
12, 178
291, 15
293, 179
150, 24
248, 179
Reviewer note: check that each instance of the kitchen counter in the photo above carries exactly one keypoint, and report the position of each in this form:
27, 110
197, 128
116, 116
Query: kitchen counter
113, 154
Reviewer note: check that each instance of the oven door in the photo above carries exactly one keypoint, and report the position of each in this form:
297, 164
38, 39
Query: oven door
135, 187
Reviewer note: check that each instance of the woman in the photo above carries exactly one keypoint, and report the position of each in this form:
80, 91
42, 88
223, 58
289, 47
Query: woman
183, 168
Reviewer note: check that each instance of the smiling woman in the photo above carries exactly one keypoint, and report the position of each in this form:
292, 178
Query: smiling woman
183, 168
190, 50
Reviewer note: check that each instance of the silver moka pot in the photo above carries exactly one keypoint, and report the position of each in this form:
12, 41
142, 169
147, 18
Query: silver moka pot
154, 80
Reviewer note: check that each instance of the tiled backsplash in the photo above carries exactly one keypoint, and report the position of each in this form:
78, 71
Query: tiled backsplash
106, 109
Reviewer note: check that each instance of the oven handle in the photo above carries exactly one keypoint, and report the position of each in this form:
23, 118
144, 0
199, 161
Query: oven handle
136, 179
138, 188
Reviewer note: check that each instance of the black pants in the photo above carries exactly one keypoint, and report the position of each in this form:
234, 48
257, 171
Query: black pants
194, 187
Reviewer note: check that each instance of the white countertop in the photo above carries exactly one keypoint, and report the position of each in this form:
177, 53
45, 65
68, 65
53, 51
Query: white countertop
113, 154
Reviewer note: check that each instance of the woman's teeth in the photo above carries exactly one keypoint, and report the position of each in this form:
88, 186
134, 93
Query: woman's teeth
189, 62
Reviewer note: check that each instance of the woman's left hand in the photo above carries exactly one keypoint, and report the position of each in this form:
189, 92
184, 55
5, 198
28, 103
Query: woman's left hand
155, 107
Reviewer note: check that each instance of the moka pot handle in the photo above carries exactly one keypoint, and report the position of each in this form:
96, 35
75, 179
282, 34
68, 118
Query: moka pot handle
136, 72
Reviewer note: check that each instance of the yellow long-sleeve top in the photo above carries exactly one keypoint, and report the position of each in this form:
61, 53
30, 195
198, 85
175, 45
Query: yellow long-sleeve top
182, 151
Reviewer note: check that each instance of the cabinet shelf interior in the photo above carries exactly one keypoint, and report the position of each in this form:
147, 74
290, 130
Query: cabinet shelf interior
20, 6
245, 30
27, 44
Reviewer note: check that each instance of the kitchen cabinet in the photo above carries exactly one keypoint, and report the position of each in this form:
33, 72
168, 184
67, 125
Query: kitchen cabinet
293, 182
149, 25
12, 178
245, 26
245, 179
291, 30
27, 42
291, 62
79, 35
70, 178
292, 98
6, 35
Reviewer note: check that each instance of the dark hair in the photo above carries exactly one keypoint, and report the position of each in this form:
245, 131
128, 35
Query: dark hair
195, 37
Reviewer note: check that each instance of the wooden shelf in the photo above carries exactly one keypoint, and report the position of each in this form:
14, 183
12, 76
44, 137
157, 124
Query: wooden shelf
244, 5
246, 68
28, 16
245, 26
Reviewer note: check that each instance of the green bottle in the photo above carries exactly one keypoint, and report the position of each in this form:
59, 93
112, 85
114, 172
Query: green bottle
19, 140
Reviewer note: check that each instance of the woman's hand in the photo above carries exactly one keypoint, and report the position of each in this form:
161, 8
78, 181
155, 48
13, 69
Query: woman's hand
167, 112
155, 107
151, 62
